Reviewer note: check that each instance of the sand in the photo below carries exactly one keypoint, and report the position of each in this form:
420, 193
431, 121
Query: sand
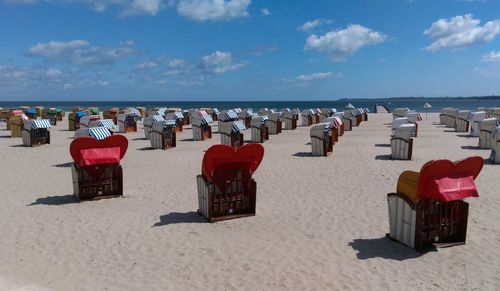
320, 223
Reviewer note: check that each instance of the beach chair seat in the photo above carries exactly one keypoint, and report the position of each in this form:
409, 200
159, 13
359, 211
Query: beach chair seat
163, 135
231, 133
337, 127
96, 170
214, 112
427, 208
322, 139
259, 129
475, 118
486, 129
226, 189
274, 123
246, 115
462, 121
201, 123
31, 113
307, 117
399, 112
402, 143
74, 120
290, 117
36, 132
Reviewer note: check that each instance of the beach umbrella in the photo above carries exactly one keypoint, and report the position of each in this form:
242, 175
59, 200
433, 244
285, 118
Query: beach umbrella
349, 106
426, 107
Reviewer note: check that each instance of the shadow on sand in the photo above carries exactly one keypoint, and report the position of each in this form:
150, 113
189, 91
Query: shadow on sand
383, 157
180, 217
303, 154
383, 145
55, 200
63, 165
384, 248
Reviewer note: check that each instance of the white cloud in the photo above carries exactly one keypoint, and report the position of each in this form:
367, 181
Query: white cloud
176, 63
80, 52
219, 63
52, 73
213, 10
339, 44
260, 51
265, 12
129, 7
312, 24
460, 32
103, 82
137, 7
318, 76
492, 56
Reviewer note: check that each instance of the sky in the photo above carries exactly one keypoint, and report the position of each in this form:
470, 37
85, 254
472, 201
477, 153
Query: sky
198, 50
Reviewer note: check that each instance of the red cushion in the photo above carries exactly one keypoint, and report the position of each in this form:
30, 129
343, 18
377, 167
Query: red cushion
99, 156
451, 188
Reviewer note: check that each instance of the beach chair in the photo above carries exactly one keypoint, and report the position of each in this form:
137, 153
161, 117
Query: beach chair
444, 115
315, 117
290, 118
148, 123
259, 129
307, 117
274, 123
398, 122
127, 121
226, 116
246, 115
337, 127
98, 133
322, 139
187, 117
486, 129
347, 120
39, 110
496, 113
89, 121
74, 120
31, 113
399, 112
179, 119
475, 118
96, 170
226, 189
60, 114
36, 132
402, 143
142, 111
163, 135
495, 146
427, 208
202, 130
112, 114
365, 114
452, 118
325, 113
231, 133
462, 121
214, 112
414, 117
16, 123
51, 115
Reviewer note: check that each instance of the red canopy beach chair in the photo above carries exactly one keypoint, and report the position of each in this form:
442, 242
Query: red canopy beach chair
96, 170
226, 188
427, 207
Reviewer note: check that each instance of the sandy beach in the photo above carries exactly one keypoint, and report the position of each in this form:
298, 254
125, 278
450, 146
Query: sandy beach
320, 223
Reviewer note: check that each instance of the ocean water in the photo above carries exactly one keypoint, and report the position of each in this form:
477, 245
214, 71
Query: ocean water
415, 104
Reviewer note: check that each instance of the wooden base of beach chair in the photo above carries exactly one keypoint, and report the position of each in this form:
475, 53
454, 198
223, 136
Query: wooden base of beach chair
290, 124
36, 137
401, 149
97, 182
427, 223
238, 201
485, 140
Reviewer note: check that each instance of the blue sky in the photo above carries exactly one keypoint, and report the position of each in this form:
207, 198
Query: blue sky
247, 49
